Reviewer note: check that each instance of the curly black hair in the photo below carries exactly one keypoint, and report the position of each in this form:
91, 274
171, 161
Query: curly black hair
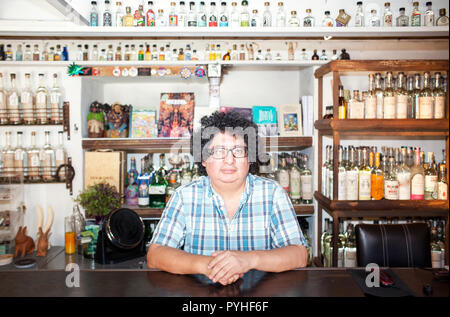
230, 122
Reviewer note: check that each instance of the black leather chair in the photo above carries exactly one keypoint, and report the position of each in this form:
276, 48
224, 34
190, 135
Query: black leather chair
396, 245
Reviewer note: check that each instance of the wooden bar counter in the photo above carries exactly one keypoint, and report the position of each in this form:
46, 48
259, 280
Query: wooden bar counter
133, 279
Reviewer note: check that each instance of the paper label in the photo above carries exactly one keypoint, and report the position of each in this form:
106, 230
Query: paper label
371, 107
352, 185
404, 190
439, 107
306, 182
364, 185
417, 187
391, 189
357, 110
430, 183
295, 185
402, 106
157, 190
425, 107
442, 189
284, 180
389, 107
342, 193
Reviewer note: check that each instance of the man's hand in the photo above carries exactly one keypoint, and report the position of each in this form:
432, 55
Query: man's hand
227, 267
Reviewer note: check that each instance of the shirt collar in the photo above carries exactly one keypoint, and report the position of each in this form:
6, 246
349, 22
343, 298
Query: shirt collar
248, 187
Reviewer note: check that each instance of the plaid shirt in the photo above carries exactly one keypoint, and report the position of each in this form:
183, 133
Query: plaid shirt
195, 219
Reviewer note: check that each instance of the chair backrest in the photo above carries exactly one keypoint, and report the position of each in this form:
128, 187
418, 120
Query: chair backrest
399, 245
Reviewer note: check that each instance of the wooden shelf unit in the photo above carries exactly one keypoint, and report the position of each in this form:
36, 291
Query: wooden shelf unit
396, 128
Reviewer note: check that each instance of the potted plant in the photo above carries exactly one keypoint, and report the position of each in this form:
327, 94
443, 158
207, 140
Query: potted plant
98, 200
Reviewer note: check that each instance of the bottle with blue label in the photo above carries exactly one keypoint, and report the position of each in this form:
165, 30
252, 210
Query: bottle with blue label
93, 20
223, 17
143, 187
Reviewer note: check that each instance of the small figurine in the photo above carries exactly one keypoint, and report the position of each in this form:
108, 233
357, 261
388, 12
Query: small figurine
117, 122
42, 237
42, 244
24, 243
96, 121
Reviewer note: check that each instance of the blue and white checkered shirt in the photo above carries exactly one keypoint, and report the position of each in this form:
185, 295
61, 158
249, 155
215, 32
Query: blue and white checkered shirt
195, 219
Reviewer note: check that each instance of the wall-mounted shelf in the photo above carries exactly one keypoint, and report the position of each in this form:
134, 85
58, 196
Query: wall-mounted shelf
85, 32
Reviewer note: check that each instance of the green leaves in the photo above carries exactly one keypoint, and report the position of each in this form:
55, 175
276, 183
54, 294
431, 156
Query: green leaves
99, 199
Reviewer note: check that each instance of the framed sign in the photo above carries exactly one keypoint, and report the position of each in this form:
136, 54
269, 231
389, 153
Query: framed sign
290, 120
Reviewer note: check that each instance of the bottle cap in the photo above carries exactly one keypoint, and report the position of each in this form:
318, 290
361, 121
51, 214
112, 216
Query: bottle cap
429, 3
387, 4
327, 12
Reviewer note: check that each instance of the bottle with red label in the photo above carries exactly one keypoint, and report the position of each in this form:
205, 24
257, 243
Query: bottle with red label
150, 16
212, 19
173, 17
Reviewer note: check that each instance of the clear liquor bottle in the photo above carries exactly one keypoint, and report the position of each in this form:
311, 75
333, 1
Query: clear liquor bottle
324, 187
255, 22
55, 97
327, 20
379, 93
359, 15
235, 16
443, 18
416, 96
28, 54
186, 172
402, 97
438, 98
431, 178
61, 156
107, 15
426, 99
308, 20
323, 240
417, 177
33, 160
371, 100
330, 174
19, 157
182, 16
306, 182
8, 156
245, 14
350, 247
374, 19
36, 53
12, 102
387, 16
212, 18
93, 15
118, 15
282, 175
352, 177
295, 183
389, 98
364, 178
428, 17
47, 157
342, 182
192, 15
377, 180
202, 17
267, 15
173, 16
41, 102
442, 185
323, 56
281, 15
223, 16
303, 55
404, 177
402, 19
26, 99
416, 15
356, 106
161, 20
391, 184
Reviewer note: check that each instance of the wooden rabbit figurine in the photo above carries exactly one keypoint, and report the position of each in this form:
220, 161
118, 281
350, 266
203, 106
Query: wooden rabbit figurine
42, 243
24, 243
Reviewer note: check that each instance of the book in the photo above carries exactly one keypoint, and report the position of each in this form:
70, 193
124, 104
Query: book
143, 124
176, 115
265, 117
307, 103
244, 112
290, 120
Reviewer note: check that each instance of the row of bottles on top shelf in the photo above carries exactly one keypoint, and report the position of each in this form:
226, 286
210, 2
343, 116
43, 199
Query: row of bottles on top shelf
179, 16
151, 52
347, 241
29, 106
154, 187
32, 163
402, 97
393, 174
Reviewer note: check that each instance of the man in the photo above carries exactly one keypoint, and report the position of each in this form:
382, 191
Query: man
229, 222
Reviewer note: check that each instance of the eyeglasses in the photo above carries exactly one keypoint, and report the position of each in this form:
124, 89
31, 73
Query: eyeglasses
220, 152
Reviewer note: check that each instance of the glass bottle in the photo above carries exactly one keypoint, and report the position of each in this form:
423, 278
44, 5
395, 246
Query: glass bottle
379, 93
402, 19
371, 100
235, 17
55, 97
107, 16
431, 178
282, 175
182, 16
223, 16
442, 185
173, 16
293, 21
417, 178
139, 18
325, 186
192, 15
344, 55
85, 52
150, 15
295, 182
410, 89
201, 17
245, 15
315, 57
389, 98
58, 53
350, 247
128, 19
426, 99
415, 15
387, 17
377, 180
308, 20
133, 54
93, 15
374, 19
8, 156
404, 177
36, 53
61, 155
416, 96
157, 189
428, 17
324, 56
352, 177
26, 100
402, 97
438, 97
364, 178
161, 19
51, 54
19, 53
47, 157
33, 159
281, 15
12, 102
335, 56
19, 157
341, 244
268, 56
212, 19
303, 55
306, 182
443, 18
186, 173
118, 16
356, 106
342, 107
41, 102
325, 243
391, 184
359, 15
267, 15
342, 182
